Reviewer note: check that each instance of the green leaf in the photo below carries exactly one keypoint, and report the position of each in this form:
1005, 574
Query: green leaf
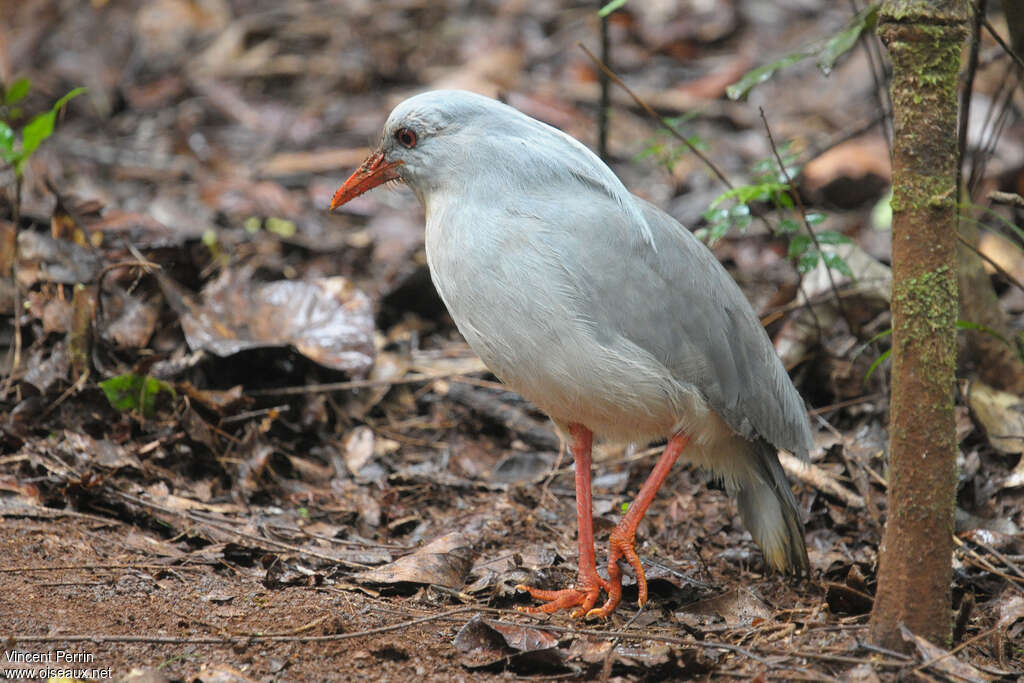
610, 7
6, 139
652, 150
808, 261
744, 194
836, 262
739, 211
67, 98
41, 127
782, 199
829, 51
831, 237
966, 325
713, 215
17, 91
35, 131
874, 366
863, 347
798, 244
788, 225
761, 74
135, 393
814, 218
841, 43
717, 231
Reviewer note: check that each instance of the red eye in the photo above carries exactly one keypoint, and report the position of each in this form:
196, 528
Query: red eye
406, 136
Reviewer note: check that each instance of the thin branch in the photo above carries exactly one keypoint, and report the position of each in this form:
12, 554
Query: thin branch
815, 151
807, 226
259, 540
67, 567
965, 98
988, 260
1008, 198
231, 640
995, 35
655, 115
603, 103
935, 660
350, 384
876, 64
700, 155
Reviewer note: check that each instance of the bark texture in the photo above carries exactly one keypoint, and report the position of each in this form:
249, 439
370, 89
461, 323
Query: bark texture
924, 39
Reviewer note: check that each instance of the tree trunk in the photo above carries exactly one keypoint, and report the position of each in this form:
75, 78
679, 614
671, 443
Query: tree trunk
924, 39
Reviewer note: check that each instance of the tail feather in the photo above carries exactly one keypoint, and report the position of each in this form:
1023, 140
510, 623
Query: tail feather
769, 511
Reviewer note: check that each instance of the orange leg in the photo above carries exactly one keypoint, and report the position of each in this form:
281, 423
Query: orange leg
622, 542
588, 586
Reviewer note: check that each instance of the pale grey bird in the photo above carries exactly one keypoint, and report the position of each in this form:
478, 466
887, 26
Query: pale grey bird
602, 310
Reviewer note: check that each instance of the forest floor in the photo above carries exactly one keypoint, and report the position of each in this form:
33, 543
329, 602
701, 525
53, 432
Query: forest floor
244, 441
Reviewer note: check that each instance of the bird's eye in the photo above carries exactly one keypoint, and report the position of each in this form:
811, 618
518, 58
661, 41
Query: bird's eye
406, 136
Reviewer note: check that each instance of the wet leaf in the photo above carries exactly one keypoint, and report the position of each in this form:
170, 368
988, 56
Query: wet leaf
327, 320
522, 648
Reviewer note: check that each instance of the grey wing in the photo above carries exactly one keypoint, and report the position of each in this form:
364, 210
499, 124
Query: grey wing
674, 299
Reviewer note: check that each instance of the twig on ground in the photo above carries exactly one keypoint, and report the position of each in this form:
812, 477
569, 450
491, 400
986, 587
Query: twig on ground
818, 478
998, 268
231, 640
1010, 198
63, 567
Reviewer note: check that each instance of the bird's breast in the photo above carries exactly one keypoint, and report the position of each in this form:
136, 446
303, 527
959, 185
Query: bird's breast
511, 299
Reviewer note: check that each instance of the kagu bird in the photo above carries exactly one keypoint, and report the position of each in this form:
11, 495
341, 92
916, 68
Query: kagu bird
603, 311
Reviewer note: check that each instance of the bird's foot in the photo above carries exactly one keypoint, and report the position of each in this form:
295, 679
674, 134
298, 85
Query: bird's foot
621, 546
582, 596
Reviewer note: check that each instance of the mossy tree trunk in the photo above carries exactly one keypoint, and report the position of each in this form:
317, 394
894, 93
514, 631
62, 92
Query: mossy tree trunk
924, 39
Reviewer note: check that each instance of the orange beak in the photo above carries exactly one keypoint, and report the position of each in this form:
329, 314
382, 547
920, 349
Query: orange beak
374, 171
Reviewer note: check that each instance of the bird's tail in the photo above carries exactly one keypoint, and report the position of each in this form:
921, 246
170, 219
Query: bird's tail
769, 510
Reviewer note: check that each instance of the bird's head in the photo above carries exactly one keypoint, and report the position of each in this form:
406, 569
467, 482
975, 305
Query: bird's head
422, 144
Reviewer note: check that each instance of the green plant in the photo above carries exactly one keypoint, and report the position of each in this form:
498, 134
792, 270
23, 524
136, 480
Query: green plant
885, 355
17, 149
828, 52
135, 393
660, 147
732, 209
610, 7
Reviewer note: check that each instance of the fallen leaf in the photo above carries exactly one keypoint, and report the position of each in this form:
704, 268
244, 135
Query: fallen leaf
1001, 415
942, 660
328, 320
445, 561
